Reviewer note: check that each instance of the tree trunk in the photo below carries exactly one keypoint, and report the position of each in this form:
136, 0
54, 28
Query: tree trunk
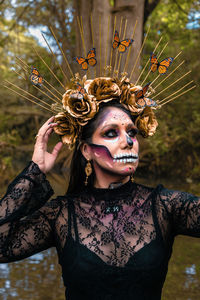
132, 11
95, 16
102, 13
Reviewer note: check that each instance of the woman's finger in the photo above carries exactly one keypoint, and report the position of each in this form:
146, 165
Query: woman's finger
57, 149
43, 131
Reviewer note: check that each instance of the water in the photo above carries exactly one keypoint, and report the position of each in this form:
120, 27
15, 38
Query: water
39, 277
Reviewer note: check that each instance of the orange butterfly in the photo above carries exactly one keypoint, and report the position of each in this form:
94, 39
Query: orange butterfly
80, 92
81, 89
143, 101
162, 66
122, 45
35, 77
89, 60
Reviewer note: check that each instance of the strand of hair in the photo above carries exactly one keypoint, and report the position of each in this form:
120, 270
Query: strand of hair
28, 98
55, 58
19, 74
140, 52
62, 52
148, 61
49, 68
108, 32
100, 41
129, 50
82, 38
92, 32
120, 56
171, 84
48, 83
179, 90
178, 95
117, 52
111, 51
27, 93
81, 23
170, 74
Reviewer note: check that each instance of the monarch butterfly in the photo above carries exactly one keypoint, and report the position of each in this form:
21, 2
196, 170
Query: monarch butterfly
80, 92
143, 101
122, 45
162, 66
81, 89
35, 77
89, 60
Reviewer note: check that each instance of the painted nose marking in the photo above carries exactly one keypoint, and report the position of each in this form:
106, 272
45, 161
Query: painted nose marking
129, 141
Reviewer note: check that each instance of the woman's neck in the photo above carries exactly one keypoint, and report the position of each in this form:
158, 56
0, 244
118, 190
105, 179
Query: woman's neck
107, 180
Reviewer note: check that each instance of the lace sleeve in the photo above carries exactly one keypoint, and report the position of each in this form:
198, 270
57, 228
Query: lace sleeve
24, 223
30, 234
182, 211
27, 193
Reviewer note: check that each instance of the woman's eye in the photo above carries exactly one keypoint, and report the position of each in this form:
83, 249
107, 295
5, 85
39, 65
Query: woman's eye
110, 133
133, 132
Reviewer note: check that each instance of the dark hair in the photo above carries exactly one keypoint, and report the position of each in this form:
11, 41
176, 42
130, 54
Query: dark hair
78, 162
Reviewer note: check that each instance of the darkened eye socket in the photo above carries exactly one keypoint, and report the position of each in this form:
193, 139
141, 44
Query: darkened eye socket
110, 133
133, 132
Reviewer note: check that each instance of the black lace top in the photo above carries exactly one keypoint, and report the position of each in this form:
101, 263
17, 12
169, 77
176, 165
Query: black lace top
112, 243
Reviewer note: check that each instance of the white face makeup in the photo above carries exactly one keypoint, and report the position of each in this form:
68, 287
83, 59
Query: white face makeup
115, 146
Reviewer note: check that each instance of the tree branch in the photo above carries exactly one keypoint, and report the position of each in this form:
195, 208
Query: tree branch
149, 7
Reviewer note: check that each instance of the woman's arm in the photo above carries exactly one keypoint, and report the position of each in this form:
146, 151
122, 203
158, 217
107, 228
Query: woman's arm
24, 227
29, 235
183, 211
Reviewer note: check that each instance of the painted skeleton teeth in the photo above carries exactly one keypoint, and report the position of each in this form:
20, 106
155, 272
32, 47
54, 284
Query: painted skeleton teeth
125, 160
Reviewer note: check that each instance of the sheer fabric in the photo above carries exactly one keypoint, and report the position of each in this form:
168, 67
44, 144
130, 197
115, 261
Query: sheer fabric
111, 243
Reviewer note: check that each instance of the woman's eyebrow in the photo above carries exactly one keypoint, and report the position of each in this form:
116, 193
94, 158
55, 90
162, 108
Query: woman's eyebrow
131, 125
110, 125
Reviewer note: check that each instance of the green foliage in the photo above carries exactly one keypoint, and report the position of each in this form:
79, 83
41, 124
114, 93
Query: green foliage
174, 149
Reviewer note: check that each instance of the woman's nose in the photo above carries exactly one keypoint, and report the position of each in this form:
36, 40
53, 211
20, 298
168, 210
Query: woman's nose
126, 141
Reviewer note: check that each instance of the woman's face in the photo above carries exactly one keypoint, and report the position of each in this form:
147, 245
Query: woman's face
114, 146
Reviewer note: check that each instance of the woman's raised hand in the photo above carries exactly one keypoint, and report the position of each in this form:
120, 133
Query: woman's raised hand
41, 157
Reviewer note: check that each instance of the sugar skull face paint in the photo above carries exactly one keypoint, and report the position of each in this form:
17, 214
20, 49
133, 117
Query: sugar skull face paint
114, 146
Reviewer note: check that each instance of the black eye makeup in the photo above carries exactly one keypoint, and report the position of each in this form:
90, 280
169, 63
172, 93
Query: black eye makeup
133, 132
110, 133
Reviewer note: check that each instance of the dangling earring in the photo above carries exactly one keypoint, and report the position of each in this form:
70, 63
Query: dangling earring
132, 178
88, 171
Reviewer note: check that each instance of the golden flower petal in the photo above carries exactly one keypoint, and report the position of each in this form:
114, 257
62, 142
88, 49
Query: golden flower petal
103, 88
146, 122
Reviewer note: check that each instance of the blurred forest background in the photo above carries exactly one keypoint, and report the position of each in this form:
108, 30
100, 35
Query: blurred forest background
174, 150
172, 155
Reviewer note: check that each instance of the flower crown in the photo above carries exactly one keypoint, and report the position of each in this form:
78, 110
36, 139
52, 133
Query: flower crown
80, 105
83, 97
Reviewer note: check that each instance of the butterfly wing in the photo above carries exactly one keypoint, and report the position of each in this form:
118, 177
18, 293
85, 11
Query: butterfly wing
34, 71
149, 102
145, 88
139, 94
35, 77
81, 61
164, 65
80, 89
153, 63
116, 41
91, 57
124, 45
141, 103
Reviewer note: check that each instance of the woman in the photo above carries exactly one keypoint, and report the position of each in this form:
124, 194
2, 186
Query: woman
113, 237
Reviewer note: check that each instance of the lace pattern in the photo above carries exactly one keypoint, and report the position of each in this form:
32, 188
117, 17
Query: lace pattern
30, 223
